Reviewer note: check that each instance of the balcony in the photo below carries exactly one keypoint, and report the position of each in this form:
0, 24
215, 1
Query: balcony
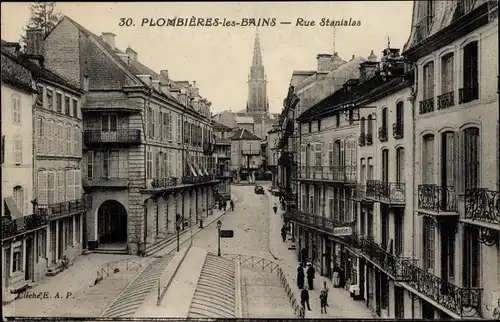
329, 173
91, 137
319, 222
446, 100
398, 130
397, 267
368, 139
166, 182
468, 94
426, 106
437, 200
382, 134
359, 194
361, 139
392, 193
483, 205
465, 302
13, 227
65, 208
250, 152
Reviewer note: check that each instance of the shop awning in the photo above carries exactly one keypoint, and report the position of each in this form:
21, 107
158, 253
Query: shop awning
206, 172
12, 207
193, 172
198, 170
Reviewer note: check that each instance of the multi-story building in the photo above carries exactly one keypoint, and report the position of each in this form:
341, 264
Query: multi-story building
147, 141
273, 154
456, 171
246, 157
223, 158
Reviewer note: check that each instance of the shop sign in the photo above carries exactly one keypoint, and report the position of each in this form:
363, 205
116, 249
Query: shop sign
342, 231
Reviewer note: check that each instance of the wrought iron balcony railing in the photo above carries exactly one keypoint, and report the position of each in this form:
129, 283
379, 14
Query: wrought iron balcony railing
426, 106
329, 173
165, 182
119, 136
361, 139
368, 139
482, 205
12, 227
382, 134
396, 266
437, 198
398, 130
359, 193
390, 192
468, 93
65, 207
197, 179
446, 100
465, 302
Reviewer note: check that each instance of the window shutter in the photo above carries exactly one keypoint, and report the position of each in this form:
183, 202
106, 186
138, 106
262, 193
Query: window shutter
39, 133
51, 183
18, 150
3, 149
78, 184
42, 188
50, 135
342, 153
90, 164
160, 125
70, 190
60, 186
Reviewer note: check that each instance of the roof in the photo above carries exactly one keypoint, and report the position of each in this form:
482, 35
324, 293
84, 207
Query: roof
15, 74
219, 127
244, 119
92, 103
243, 134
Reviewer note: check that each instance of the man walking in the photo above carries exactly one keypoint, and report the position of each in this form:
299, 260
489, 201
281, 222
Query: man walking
303, 256
310, 275
232, 205
283, 233
275, 209
304, 298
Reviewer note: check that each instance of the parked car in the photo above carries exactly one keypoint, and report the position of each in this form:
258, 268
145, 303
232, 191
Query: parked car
259, 190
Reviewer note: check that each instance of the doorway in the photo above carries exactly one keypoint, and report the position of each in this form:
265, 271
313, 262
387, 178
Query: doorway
112, 218
29, 269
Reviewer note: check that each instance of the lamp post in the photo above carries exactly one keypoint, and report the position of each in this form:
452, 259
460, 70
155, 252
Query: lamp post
178, 228
219, 225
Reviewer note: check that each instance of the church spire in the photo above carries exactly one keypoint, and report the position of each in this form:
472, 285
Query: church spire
257, 57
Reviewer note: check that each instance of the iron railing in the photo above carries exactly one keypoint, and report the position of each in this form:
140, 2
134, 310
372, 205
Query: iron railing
368, 139
468, 93
65, 207
483, 205
437, 198
359, 193
173, 182
396, 266
12, 227
361, 139
390, 192
165, 182
330, 173
119, 136
398, 130
320, 222
272, 267
465, 302
127, 264
446, 100
426, 106
382, 134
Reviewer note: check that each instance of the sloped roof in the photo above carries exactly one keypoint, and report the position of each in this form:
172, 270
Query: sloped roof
217, 126
244, 120
243, 134
14, 73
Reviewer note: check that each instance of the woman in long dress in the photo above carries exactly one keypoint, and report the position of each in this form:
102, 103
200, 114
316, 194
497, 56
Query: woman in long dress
300, 277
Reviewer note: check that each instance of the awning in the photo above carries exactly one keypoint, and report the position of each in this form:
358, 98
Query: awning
11, 205
193, 172
198, 170
206, 172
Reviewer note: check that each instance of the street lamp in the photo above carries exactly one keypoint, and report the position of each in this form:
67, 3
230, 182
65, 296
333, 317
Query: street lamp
219, 225
178, 228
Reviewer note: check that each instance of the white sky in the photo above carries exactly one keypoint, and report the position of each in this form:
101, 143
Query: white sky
219, 58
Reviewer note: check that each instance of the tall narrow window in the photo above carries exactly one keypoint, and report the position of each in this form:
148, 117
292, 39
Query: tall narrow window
362, 126
69, 140
90, 164
76, 141
330, 154
149, 164
70, 185
60, 186
179, 129
369, 125
470, 90
471, 258
447, 73
16, 109
76, 113
428, 240
67, 105
369, 172
384, 118
317, 154
400, 165
59, 103
428, 159
42, 194
385, 165
471, 157
428, 81
50, 99
362, 174
18, 150
105, 156
51, 186
109, 123
448, 159
400, 113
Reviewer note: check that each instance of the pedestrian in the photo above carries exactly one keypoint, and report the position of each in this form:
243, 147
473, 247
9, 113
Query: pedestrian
304, 298
300, 276
232, 205
336, 276
275, 209
283, 233
225, 205
303, 256
325, 289
322, 297
310, 275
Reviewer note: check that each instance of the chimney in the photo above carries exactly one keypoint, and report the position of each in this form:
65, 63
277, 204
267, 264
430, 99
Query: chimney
34, 42
194, 90
131, 53
124, 57
12, 47
367, 69
156, 84
164, 74
164, 87
109, 38
324, 62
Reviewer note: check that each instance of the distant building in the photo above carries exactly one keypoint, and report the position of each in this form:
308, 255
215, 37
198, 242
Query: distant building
223, 158
273, 154
245, 155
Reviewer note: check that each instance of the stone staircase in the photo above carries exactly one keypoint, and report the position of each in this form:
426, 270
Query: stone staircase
215, 292
264, 297
127, 302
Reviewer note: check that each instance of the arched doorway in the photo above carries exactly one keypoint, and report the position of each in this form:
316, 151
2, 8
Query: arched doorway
269, 176
112, 219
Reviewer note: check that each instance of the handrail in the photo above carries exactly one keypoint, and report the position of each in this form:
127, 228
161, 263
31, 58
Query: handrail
254, 261
129, 264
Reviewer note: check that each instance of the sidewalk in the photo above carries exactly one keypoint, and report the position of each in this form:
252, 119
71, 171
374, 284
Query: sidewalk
341, 304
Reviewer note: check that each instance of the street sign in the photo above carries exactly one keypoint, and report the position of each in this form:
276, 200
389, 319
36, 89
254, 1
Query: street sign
342, 231
226, 234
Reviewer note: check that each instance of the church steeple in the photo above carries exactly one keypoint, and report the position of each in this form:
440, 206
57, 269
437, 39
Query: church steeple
257, 83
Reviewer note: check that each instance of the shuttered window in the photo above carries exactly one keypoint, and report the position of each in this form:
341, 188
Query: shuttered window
70, 185
78, 183
68, 141
471, 158
448, 159
39, 134
317, 154
51, 187
90, 164
16, 109
428, 83
60, 139
51, 137
43, 197
61, 196
18, 150
179, 129
428, 159
170, 129
149, 164
160, 116
447, 73
76, 110
179, 163
400, 165
76, 135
